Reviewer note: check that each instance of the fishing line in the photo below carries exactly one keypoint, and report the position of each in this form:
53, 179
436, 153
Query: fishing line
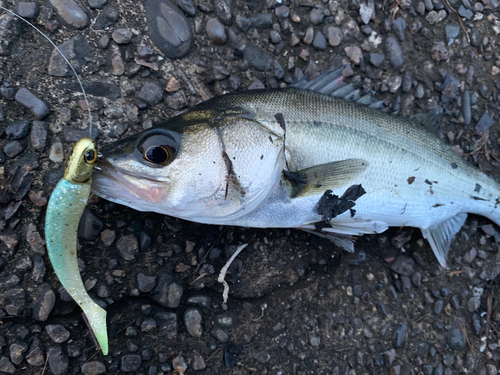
65, 59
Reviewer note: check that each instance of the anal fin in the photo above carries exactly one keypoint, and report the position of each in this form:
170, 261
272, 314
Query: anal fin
441, 235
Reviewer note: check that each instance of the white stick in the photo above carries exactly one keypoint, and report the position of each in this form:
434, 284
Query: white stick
224, 269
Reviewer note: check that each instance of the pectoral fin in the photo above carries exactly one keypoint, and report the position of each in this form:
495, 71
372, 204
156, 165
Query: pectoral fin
440, 236
327, 176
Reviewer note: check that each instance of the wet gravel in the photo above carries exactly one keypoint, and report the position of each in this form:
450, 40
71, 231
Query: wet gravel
297, 304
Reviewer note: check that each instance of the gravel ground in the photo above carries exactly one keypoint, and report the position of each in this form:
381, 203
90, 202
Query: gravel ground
297, 304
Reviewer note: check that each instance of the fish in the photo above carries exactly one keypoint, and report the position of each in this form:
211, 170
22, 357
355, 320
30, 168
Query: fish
316, 156
64, 210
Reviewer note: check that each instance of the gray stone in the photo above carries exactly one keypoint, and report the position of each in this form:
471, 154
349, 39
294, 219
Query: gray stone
484, 123
168, 28
45, 299
57, 333
27, 9
93, 368
223, 11
6, 366
39, 131
146, 283
403, 265
394, 52
177, 100
71, 13
122, 36
455, 338
376, 59
37, 106
167, 293
151, 93
90, 226
258, 58
58, 361
216, 32
107, 17
130, 363
77, 50
193, 320
17, 352
18, 129
128, 247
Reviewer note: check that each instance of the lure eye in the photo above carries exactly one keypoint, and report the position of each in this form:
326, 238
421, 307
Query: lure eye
90, 156
158, 148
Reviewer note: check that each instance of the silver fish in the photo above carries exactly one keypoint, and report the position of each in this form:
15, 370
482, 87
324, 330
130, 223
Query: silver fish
299, 158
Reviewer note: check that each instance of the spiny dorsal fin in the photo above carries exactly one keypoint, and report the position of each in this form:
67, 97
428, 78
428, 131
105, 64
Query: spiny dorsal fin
430, 120
440, 236
327, 176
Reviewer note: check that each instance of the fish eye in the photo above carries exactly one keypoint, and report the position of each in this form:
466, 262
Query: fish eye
158, 147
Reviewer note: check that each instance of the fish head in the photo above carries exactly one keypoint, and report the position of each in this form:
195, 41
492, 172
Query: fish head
210, 170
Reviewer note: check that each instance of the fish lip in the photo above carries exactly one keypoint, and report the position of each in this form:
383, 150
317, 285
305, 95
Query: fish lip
117, 174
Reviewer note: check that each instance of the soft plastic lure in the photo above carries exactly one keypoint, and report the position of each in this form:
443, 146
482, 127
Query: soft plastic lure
64, 211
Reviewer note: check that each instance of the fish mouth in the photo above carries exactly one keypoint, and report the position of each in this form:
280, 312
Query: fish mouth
138, 190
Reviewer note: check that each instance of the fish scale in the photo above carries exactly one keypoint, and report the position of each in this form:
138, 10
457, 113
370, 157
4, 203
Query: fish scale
410, 177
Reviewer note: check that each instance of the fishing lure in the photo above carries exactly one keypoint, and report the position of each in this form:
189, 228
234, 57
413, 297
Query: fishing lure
65, 208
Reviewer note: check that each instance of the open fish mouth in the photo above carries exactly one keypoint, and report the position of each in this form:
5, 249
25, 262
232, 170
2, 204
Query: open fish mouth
120, 186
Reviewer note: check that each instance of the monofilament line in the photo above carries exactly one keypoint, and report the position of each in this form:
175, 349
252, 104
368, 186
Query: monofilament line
65, 59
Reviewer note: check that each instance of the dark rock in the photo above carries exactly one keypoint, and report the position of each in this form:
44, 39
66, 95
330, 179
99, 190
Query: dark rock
193, 321
117, 130
376, 59
177, 100
148, 325
90, 226
27, 9
151, 93
394, 52
6, 366
71, 13
35, 356
168, 28
262, 21
399, 335
17, 352
128, 247
223, 11
58, 361
403, 265
219, 334
18, 129
57, 333
130, 363
13, 149
44, 303
167, 324
146, 283
78, 50
319, 41
38, 269
399, 26
144, 240
452, 30
107, 17
258, 58
216, 32
122, 36
93, 368
37, 106
198, 361
455, 338
484, 123
464, 12
200, 300
167, 293
39, 131
186, 6
97, 4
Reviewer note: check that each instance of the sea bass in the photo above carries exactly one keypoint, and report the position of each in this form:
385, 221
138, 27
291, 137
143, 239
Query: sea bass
299, 157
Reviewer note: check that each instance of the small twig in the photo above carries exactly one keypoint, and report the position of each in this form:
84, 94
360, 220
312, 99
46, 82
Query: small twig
421, 317
459, 20
45, 365
213, 354
198, 278
467, 339
263, 307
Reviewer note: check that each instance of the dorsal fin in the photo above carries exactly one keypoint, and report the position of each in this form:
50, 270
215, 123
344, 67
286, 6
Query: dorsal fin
332, 83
